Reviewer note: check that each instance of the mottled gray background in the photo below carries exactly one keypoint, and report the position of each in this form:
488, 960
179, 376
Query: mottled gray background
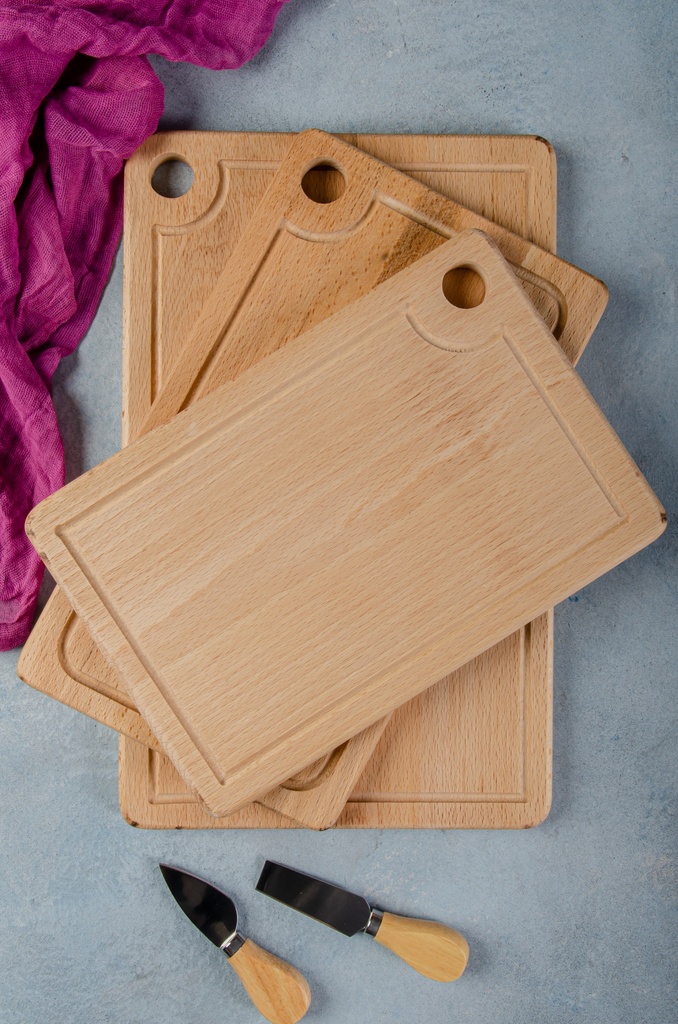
575, 920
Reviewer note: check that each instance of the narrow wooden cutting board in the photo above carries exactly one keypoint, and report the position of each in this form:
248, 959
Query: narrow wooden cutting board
228, 184
410, 462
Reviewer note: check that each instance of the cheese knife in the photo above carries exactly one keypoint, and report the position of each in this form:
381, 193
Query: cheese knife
433, 949
278, 990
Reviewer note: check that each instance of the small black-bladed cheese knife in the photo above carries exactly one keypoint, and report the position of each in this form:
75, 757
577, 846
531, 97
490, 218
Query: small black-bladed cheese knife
276, 988
433, 949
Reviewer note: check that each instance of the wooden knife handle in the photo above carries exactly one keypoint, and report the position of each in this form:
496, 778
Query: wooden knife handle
276, 988
433, 949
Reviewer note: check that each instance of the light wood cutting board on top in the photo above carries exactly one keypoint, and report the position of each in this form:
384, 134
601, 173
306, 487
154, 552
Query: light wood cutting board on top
79, 676
427, 454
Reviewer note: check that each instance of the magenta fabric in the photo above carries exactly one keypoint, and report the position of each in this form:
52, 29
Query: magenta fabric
77, 96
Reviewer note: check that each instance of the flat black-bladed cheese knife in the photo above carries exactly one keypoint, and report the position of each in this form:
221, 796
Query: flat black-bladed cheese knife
276, 988
433, 949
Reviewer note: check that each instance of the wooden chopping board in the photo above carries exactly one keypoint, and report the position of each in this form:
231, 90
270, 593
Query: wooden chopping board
409, 461
474, 751
72, 678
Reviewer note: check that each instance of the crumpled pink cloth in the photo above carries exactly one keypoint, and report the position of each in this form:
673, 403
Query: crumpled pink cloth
77, 96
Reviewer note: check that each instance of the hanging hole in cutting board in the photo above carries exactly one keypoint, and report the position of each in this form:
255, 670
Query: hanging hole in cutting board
463, 287
172, 178
324, 183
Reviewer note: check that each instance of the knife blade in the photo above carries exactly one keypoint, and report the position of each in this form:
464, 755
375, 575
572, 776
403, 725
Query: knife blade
434, 950
278, 990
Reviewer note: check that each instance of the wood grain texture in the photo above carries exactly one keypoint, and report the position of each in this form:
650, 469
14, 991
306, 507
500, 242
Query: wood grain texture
475, 750
279, 992
60, 659
330, 471
508, 179
297, 253
434, 950
479, 747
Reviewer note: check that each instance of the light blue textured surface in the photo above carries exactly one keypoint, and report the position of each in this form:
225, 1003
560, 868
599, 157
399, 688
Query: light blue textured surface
575, 920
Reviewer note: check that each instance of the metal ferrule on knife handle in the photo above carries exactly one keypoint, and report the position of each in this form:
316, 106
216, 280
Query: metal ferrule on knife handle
277, 989
232, 944
376, 917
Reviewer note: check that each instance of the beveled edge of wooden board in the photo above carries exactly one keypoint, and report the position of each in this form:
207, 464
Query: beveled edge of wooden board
46, 663
640, 517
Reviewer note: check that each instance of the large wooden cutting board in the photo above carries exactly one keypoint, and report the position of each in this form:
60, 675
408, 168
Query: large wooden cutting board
368, 508
474, 751
216, 206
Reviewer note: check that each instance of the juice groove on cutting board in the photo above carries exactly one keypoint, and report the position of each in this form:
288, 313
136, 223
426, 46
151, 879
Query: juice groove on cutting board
388, 494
